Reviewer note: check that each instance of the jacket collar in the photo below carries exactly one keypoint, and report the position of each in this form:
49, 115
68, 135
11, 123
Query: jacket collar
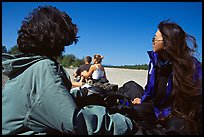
153, 56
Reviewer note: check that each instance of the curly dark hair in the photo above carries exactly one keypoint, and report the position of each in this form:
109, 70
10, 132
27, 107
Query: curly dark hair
46, 31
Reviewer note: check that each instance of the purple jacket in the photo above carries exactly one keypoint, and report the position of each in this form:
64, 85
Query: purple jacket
149, 88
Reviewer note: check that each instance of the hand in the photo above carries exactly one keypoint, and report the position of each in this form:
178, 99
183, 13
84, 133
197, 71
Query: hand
136, 101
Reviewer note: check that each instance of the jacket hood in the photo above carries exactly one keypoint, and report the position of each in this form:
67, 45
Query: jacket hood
13, 66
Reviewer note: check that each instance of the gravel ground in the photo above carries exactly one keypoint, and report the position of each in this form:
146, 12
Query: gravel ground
120, 76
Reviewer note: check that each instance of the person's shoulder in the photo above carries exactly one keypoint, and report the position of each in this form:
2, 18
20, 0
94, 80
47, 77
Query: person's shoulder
86, 65
46, 61
93, 66
45, 65
82, 66
89, 65
103, 69
100, 66
6, 56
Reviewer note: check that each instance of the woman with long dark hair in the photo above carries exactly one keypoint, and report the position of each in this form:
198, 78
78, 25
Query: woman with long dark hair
174, 86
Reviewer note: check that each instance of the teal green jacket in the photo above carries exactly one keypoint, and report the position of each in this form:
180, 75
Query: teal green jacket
36, 101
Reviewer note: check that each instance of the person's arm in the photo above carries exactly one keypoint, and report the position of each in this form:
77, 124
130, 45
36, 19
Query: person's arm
77, 84
104, 76
89, 73
77, 72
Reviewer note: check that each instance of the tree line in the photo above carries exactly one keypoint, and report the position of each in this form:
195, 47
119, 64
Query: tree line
71, 61
142, 66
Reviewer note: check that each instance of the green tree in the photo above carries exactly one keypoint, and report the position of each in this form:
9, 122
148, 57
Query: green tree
68, 60
14, 50
4, 49
78, 62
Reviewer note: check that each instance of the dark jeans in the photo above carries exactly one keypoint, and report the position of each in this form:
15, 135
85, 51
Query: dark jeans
146, 115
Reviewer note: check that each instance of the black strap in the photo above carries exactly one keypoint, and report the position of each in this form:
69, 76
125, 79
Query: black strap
20, 130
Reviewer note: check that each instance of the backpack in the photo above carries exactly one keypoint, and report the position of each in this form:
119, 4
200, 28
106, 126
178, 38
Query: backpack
95, 94
114, 99
131, 89
119, 103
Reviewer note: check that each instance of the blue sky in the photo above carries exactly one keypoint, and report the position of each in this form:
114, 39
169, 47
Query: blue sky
120, 31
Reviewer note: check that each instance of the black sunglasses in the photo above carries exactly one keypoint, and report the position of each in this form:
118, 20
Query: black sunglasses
154, 39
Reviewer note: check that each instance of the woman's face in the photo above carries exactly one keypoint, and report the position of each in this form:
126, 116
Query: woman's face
157, 41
